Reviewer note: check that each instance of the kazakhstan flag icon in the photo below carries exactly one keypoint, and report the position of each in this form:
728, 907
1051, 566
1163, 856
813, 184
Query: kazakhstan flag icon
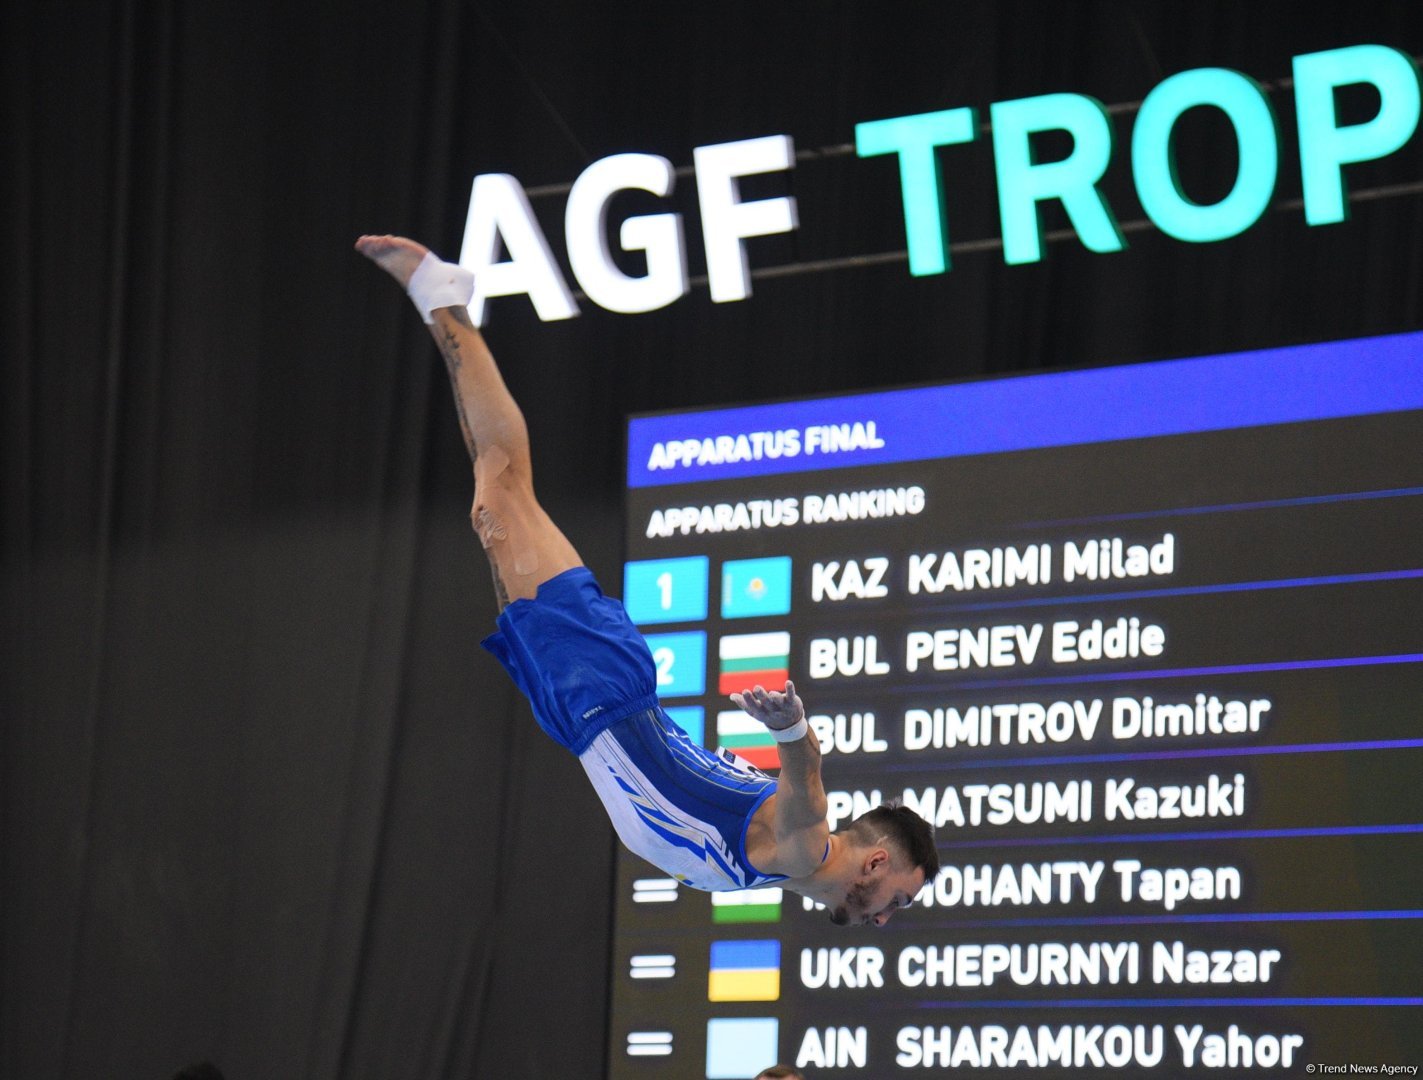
755, 587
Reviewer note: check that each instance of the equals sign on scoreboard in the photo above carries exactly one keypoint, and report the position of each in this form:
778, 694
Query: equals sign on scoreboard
660, 890
653, 966
649, 1043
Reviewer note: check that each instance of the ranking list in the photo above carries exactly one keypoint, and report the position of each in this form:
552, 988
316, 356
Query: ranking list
1143, 644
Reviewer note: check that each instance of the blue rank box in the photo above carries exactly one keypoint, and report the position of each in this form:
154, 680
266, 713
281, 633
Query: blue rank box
681, 661
690, 718
666, 590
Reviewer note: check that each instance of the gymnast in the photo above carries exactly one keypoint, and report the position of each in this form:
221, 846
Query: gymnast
708, 819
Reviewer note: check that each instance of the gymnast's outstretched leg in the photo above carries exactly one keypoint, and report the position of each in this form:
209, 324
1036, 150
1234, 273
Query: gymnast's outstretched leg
524, 546
708, 819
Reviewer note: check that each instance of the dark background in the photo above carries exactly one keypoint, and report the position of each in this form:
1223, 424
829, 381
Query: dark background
264, 799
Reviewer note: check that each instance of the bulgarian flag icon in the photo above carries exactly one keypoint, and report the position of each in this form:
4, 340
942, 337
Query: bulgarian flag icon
749, 660
748, 739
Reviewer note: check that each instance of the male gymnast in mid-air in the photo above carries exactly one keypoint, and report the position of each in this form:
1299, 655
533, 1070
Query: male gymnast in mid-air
708, 819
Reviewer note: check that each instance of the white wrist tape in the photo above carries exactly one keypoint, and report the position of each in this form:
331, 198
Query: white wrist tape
437, 284
792, 733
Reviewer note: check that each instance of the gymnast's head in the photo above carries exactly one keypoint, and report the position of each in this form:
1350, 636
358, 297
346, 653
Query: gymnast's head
891, 855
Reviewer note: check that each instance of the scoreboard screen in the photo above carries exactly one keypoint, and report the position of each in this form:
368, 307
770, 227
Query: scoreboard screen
1145, 644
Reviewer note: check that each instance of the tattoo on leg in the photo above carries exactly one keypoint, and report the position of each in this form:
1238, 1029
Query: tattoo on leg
501, 594
488, 528
449, 348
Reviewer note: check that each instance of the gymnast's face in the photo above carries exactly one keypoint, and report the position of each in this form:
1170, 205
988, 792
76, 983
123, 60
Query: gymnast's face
881, 889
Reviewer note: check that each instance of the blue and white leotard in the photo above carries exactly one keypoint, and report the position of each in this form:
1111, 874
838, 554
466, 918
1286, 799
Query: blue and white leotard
590, 677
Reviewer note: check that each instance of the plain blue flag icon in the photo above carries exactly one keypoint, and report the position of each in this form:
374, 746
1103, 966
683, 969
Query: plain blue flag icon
754, 587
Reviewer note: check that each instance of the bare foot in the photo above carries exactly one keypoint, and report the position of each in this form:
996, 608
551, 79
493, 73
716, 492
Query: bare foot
396, 255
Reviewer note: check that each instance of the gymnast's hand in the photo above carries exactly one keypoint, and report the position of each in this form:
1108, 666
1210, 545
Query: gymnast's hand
778, 711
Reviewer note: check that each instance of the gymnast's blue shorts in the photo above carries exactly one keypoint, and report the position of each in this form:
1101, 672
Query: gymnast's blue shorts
577, 658
590, 677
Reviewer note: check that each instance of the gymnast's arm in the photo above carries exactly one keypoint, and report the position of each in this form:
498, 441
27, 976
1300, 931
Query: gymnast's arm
800, 829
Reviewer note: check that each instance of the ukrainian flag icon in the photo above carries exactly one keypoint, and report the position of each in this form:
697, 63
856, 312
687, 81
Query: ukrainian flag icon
745, 971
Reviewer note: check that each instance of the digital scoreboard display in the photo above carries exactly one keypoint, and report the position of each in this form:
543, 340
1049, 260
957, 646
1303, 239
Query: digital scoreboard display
1145, 644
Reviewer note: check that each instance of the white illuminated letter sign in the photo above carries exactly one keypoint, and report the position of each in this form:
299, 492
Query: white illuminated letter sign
660, 235
726, 220
498, 208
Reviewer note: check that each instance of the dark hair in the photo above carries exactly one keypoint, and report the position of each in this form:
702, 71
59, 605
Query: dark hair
780, 1072
905, 830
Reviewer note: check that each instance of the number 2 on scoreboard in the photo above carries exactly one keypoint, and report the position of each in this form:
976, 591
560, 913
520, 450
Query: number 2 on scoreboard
680, 661
664, 658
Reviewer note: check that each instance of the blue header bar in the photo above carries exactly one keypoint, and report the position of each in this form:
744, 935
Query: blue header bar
1176, 397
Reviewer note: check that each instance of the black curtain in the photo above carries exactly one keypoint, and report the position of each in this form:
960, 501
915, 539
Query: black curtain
265, 801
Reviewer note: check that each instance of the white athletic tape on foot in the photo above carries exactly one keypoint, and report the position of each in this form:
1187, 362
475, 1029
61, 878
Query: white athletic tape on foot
436, 284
